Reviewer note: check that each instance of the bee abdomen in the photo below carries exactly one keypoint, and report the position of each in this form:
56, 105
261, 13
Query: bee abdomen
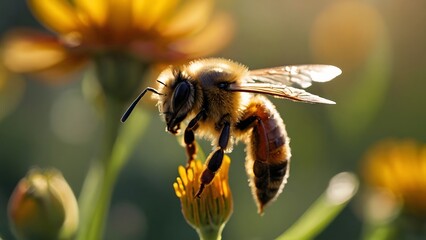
268, 179
268, 151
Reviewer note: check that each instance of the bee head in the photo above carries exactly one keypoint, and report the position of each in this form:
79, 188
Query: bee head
177, 102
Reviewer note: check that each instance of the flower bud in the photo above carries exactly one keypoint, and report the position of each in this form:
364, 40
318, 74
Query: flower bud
209, 213
43, 206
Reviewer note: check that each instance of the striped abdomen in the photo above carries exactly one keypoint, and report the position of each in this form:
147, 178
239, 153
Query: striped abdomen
268, 151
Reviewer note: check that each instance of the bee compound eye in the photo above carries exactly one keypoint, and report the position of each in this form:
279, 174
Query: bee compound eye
180, 95
223, 85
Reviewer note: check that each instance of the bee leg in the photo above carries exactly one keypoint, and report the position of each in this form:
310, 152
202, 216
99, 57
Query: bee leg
255, 121
214, 161
189, 137
191, 149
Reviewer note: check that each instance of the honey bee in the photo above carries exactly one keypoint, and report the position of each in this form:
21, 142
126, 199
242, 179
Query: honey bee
222, 101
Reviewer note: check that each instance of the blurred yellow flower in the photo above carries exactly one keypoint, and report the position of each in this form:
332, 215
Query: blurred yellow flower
399, 168
160, 31
43, 206
209, 213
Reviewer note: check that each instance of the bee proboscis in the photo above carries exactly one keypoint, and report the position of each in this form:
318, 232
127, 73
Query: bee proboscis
224, 101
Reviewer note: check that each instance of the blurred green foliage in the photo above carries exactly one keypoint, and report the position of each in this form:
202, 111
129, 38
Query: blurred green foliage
382, 96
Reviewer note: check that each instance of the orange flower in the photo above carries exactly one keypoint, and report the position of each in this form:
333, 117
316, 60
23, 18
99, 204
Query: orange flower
150, 31
209, 213
399, 167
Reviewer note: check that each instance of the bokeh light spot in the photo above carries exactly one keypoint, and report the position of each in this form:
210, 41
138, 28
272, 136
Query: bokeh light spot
72, 119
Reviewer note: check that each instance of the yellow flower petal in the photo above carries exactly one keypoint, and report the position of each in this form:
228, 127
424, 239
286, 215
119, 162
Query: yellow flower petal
177, 190
39, 53
138, 10
119, 19
225, 188
146, 13
30, 51
192, 17
190, 175
207, 42
161, 31
58, 15
397, 166
93, 10
183, 175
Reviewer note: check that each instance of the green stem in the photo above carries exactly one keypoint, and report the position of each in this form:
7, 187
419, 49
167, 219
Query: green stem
119, 76
99, 184
210, 233
378, 231
101, 178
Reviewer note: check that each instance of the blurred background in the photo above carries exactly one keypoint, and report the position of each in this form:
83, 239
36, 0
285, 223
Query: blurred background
379, 45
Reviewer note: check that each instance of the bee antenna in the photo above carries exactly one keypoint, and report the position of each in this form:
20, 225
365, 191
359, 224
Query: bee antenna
161, 83
135, 102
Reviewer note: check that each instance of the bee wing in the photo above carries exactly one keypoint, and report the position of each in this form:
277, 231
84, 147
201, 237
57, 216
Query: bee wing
300, 75
279, 91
